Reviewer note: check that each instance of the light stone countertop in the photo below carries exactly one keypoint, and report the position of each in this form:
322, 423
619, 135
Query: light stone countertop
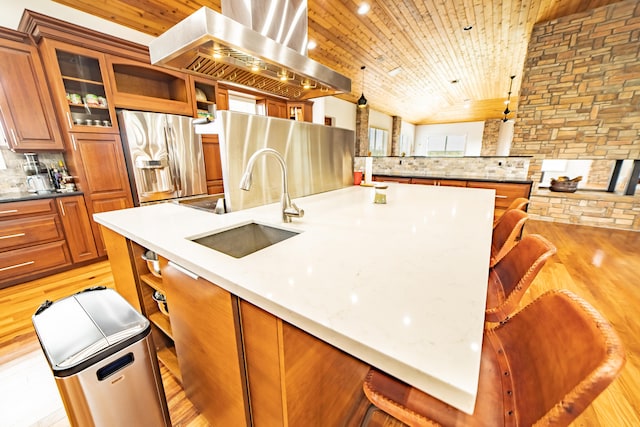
401, 286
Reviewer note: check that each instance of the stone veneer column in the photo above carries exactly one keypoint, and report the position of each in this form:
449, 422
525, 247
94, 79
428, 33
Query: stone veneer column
396, 127
362, 131
490, 137
580, 96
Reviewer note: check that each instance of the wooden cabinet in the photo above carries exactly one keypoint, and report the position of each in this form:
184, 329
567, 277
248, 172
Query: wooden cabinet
77, 228
505, 193
238, 364
205, 96
276, 109
32, 241
443, 182
296, 379
301, 111
80, 87
140, 86
26, 110
212, 164
205, 322
402, 180
97, 163
222, 99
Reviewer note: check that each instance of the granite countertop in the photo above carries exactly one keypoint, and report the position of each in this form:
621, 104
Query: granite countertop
23, 196
382, 282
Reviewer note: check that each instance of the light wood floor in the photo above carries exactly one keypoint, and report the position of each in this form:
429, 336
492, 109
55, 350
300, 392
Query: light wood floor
601, 265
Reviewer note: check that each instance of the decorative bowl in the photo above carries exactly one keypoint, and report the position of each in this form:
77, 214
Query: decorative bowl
564, 185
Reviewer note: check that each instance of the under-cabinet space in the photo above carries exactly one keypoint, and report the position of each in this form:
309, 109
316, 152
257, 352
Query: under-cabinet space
204, 92
136, 282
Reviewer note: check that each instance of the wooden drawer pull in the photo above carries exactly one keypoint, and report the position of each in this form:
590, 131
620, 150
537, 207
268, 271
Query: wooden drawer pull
500, 196
17, 265
9, 211
9, 236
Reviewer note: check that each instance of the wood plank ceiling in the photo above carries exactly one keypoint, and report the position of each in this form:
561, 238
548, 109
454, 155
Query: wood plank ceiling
424, 38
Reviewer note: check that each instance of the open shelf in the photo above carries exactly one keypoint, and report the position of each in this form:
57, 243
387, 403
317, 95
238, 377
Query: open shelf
162, 322
153, 281
167, 356
79, 80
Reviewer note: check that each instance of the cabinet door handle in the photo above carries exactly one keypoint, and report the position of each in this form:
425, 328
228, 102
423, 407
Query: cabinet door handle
9, 211
61, 208
183, 270
73, 142
69, 121
17, 265
500, 196
14, 137
9, 236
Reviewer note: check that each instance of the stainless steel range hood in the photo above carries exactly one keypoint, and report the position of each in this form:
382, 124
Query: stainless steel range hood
217, 46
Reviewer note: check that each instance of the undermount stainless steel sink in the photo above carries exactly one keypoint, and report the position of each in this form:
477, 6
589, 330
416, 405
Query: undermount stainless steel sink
245, 239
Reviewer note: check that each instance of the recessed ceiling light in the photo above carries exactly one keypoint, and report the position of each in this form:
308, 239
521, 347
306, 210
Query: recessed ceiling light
363, 8
312, 44
395, 72
468, 27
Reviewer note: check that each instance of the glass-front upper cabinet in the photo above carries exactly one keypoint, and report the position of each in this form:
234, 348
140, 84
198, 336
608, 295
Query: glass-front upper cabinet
79, 85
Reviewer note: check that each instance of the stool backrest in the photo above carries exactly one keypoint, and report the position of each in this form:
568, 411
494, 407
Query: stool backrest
561, 355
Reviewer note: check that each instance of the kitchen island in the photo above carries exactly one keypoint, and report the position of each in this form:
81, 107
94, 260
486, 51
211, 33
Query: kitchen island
400, 286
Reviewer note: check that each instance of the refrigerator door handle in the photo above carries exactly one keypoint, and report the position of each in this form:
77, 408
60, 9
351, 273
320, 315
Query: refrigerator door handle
174, 166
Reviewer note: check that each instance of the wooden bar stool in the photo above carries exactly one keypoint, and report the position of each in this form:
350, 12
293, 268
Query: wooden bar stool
519, 203
506, 234
510, 278
543, 366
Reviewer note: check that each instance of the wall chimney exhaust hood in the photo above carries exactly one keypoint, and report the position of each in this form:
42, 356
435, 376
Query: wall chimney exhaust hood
212, 44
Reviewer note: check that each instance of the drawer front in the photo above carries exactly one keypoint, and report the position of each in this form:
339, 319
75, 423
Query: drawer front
452, 183
28, 207
442, 182
24, 262
423, 181
29, 231
505, 193
399, 179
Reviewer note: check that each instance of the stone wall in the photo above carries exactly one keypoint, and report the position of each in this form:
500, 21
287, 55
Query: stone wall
362, 131
496, 168
580, 92
580, 98
490, 137
611, 212
396, 128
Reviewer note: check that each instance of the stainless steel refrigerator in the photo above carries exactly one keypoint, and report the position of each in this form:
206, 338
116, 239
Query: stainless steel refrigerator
164, 156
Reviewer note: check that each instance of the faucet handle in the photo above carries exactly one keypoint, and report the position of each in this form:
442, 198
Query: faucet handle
294, 211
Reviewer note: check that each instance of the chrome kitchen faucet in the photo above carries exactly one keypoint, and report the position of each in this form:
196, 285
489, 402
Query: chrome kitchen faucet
289, 209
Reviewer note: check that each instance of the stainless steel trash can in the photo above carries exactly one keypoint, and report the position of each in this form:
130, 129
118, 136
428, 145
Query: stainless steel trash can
103, 360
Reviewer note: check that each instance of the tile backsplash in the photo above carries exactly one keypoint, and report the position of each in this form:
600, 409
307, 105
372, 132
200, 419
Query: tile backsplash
12, 178
498, 168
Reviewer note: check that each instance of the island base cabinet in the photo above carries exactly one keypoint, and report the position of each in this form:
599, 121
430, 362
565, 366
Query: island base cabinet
296, 379
206, 332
